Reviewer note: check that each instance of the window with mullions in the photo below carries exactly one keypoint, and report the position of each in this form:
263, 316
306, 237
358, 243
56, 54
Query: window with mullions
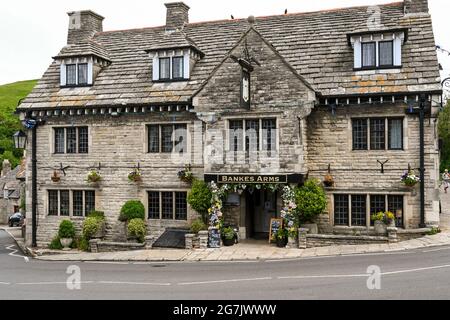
71, 74
167, 138
377, 204
80, 204
359, 134
251, 135
369, 55
386, 53
236, 132
164, 68
341, 210
167, 205
377, 134
153, 205
379, 129
359, 215
269, 134
71, 140
82, 74
251, 130
177, 68
395, 205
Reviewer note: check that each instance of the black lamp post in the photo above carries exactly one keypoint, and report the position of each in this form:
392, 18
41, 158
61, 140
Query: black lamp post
20, 141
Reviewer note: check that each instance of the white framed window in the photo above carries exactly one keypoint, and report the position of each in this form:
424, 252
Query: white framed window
76, 74
171, 66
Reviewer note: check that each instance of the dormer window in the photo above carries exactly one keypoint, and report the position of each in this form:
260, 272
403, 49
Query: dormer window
173, 64
378, 50
77, 74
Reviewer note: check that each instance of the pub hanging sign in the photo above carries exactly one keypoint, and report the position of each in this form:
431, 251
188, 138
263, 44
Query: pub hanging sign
245, 89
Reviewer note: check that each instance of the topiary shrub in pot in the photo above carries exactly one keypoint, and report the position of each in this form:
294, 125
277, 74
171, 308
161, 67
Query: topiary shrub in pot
137, 229
66, 233
228, 237
199, 198
311, 201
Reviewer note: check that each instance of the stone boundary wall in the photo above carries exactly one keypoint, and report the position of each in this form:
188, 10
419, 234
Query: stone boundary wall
99, 246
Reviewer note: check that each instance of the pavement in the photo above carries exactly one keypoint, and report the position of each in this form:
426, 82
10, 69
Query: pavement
251, 250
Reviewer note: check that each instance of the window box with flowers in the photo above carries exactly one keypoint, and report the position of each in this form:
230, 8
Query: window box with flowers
186, 175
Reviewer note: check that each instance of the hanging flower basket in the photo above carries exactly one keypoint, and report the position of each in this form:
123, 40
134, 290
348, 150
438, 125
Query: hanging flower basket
93, 177
328, 181
410, 179
135, 176
55, 177
186, 175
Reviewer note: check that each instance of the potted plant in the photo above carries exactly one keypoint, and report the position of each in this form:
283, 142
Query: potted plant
136, 230
93, 177
382, 220
228, 236
66, 233
281, 238
311, 201
328, 181
410, 179
55, 177
135, 176
199, 198
186, 175
133, 209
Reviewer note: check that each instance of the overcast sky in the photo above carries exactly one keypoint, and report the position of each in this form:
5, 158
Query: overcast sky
32, 31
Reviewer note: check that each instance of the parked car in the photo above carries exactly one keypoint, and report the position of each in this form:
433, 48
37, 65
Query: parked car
16, 220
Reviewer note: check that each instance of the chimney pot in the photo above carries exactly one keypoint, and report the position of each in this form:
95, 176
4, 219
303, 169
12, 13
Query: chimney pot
83, 25
177, 15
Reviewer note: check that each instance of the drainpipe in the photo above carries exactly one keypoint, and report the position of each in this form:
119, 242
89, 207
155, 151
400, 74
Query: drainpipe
422, 160
33, 188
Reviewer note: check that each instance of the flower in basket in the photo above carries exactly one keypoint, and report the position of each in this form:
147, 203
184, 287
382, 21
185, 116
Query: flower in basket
186, 175
328, 181
410, 179
385, 217
135, 175
280, 234
93, 176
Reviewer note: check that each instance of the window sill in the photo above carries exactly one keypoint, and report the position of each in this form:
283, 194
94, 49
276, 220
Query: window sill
170, 80
76, 86
377, 68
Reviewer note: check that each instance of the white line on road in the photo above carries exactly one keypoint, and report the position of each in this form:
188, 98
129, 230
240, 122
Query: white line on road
415, 270
135, 283
48, 283
434, 250
105, 262
13, 253
5, 283
325, 276
223, 281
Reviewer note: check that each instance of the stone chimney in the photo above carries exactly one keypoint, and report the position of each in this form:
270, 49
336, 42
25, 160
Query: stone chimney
416, 6
83, 25
6, 168
177, 15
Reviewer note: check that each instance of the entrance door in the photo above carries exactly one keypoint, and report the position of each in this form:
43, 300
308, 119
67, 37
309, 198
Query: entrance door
261, 207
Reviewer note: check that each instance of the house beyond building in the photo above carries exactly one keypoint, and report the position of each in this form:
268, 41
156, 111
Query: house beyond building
272, 100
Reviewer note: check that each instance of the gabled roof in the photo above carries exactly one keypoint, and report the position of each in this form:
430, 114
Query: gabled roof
239, 42
314, 44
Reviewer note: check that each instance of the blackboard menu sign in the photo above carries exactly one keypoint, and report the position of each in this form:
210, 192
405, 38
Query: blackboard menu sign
275, 225
214, 238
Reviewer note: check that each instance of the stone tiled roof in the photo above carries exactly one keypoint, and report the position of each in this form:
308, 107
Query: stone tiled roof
315, 44
10, 182
84, 48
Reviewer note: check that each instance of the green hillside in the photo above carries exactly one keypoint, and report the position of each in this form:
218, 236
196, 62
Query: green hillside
10, 94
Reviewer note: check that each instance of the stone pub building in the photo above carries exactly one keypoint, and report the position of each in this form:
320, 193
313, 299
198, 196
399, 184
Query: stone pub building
265, 100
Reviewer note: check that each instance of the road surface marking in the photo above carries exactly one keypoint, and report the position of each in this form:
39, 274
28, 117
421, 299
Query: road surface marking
105, 262
135, 283
5, 283
415, 270
434, 250
325, 276
14, 251
223, 281
48, 283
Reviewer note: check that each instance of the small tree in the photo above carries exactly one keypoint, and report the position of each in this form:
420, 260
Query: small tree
199, 198
66, 230
311, 201
133, 209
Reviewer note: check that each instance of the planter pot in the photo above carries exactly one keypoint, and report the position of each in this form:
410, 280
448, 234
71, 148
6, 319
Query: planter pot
66, 243
312, 227
228, 242
282, 243
292, 242
380, 228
